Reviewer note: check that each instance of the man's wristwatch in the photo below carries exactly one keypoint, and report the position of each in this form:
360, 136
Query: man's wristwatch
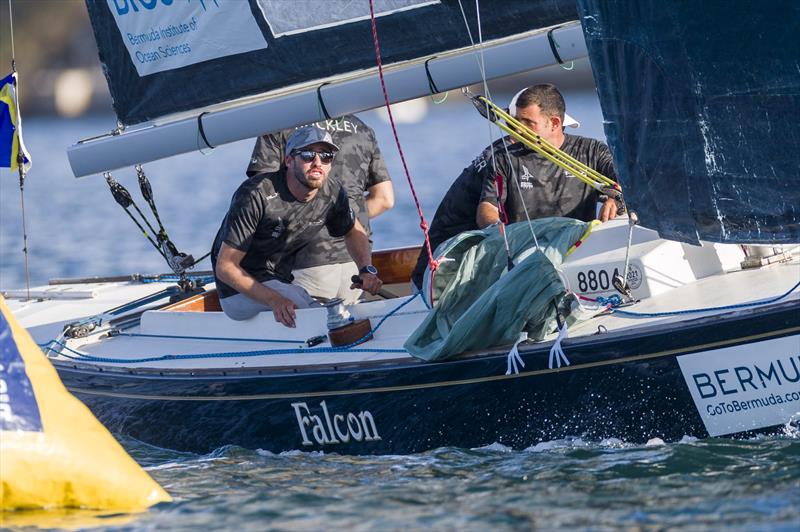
370, 269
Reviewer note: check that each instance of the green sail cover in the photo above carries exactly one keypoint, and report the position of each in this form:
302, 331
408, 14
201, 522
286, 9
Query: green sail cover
479, 303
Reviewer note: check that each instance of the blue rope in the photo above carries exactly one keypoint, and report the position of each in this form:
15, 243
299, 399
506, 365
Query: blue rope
614, 300
268, 352
699, 310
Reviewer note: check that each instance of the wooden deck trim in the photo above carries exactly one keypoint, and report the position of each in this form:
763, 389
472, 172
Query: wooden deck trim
395, 265
205, 302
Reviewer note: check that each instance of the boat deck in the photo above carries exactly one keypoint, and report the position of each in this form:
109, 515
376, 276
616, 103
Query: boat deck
167, 339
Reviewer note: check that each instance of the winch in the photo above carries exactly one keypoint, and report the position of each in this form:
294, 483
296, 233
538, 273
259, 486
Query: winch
342, 328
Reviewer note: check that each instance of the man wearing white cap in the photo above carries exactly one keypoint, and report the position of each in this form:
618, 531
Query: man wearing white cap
271, 217
543, 188
471, 201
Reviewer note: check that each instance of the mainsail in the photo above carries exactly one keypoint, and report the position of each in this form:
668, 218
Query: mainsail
309, 59
702, 114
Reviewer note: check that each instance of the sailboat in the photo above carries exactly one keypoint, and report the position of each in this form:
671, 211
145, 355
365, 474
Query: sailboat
701, 337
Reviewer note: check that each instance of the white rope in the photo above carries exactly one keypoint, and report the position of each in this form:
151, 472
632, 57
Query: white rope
11, 32
514, 360
407, 313
519, 190
480, 60
557, 352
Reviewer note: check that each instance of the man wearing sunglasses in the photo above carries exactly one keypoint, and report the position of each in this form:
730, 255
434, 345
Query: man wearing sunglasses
324, 267
272, 216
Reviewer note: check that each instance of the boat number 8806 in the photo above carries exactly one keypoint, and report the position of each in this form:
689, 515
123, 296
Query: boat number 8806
594, 280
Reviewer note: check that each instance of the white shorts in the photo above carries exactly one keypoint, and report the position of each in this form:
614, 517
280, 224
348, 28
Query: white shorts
329, 281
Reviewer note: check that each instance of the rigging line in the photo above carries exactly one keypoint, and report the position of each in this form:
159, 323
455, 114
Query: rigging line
24, 230
433, 263
11, 32
124, 200
519, 191
20, 153
481, 62
482, 65
147, 194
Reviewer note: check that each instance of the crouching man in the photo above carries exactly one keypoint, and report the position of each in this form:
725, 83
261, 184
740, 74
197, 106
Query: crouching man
271, 217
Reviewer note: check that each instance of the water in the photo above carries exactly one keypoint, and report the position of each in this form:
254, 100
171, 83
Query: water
566, 484
75, 229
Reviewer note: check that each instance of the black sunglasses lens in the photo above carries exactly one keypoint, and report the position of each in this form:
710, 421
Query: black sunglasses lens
308, 156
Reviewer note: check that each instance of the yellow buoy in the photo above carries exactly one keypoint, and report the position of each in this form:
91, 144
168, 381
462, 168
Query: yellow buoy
53, 452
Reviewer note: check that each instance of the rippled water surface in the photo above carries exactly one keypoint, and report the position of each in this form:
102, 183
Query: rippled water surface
709, 484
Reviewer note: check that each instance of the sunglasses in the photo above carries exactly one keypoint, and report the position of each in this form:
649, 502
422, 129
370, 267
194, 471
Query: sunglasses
308, 156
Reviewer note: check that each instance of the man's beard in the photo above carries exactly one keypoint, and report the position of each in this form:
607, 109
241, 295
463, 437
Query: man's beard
301, 178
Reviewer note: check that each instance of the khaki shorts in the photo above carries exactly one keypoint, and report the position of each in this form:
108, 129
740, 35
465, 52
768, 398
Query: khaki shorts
329, 281
240, 307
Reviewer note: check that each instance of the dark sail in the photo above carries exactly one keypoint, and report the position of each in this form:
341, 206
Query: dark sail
702, 113
167, 56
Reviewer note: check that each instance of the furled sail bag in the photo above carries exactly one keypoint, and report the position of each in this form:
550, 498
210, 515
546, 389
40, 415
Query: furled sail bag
479, 303
53, 452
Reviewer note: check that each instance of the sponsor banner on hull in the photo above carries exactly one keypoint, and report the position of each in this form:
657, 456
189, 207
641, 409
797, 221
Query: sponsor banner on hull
167, 34
745, 387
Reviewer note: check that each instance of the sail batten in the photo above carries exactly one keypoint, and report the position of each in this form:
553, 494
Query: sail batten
348, 93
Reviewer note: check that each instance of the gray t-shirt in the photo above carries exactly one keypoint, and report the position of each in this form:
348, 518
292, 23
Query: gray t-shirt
359, 165
270, 225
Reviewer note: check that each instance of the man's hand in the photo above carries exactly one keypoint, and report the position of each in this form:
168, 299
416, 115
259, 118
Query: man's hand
608, 211
370, 283
283, 309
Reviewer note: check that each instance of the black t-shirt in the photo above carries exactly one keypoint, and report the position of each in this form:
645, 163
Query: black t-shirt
270, 225
545, 188
358, 165
457, 210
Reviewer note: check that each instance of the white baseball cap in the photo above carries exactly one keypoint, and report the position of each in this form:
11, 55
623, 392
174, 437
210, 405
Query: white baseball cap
512, 110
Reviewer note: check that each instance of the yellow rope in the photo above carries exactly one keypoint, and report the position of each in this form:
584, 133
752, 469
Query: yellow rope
522, 133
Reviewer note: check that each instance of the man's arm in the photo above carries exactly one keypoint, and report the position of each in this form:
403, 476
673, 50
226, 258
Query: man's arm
604, 164
267, 154
380, 193
487, 214
357, 243
230, 272
380, 198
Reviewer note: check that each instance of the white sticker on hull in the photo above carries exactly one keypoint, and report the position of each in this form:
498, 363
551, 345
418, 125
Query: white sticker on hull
745, 387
